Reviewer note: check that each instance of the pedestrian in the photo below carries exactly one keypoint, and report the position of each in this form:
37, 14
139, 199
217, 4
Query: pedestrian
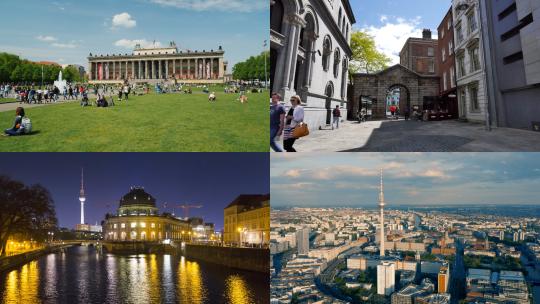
407, 113
337, 116
294, 117
277, 118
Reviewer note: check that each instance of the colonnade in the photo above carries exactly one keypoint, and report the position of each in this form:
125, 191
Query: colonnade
189, 68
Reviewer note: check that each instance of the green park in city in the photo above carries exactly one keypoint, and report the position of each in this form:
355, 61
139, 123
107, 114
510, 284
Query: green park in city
150, 120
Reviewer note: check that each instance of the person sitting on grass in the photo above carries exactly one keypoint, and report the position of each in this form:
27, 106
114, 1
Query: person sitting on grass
84, 100
212, 96
102, 102
120, 94
20, 125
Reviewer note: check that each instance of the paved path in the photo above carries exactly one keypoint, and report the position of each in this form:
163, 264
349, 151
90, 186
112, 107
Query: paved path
7, 107
415, 136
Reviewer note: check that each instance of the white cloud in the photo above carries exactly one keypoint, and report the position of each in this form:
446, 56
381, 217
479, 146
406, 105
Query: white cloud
46, 38
130, 44
392, 35
123, 20
64, 45
213, 5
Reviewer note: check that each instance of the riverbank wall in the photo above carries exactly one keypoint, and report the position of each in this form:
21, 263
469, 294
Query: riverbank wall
10, 262
134, 247
252, 259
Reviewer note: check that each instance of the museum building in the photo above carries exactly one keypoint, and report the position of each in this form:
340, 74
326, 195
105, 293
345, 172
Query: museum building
138, 219
150, 65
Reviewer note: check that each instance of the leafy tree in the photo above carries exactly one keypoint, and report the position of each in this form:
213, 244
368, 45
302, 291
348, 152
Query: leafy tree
71, 74
365, 56
252, 68
27, 210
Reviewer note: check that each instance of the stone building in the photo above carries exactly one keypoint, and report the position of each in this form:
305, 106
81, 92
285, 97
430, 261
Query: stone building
513, 62
447, 66
158, 64
138, 219
419, 54
471, 73
247, 220
310, 53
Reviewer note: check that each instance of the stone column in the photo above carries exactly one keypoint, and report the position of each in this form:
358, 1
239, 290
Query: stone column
139, 71
211, 68
146, 69
287, 56
181, 69
221, 67
188, 68
132, 68
174, 68
160, 75
166, 69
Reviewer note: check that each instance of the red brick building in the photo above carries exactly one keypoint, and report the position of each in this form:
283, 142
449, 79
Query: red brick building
420, 55
446, 62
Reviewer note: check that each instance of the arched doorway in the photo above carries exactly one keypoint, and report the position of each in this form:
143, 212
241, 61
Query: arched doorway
329, 93
398, 96
306, 43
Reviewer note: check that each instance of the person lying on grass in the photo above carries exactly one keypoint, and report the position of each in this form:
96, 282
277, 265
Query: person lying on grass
21, 125
212, 96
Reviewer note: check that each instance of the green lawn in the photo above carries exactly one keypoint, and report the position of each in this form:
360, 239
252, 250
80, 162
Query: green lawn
168, 122
6, 100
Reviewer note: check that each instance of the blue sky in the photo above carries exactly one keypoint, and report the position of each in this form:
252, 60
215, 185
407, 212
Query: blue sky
391, 22
346, 179
66, 31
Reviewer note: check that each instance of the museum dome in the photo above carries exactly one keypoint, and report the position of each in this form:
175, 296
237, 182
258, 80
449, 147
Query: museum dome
137, 197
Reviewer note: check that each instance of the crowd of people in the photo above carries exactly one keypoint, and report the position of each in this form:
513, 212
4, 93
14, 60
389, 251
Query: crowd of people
284, 122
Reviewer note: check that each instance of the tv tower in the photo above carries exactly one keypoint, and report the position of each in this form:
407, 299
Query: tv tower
81, 196
381, 208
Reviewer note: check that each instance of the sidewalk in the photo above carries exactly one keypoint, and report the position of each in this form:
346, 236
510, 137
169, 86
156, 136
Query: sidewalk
415, 136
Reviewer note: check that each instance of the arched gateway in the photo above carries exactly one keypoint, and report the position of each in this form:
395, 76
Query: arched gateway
416, 89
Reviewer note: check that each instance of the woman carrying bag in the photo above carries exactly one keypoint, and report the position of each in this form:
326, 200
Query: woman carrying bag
293, 120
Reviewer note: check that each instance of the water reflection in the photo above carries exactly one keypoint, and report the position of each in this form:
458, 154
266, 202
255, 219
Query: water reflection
81, 275
190, 283
237, 290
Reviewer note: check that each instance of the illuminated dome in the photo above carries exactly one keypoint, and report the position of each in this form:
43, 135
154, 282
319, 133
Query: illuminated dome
137, 202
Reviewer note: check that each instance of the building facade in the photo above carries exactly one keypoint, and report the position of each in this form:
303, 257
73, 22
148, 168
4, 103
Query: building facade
447, 66
247, 220
386, 278
137, 219
419, 54
309, 54
513, 62
470, 67
443, 279
302, 241
158, 64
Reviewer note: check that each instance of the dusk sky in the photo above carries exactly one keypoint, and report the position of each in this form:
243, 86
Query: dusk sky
210, 179
66, 31
433, 179
391, 22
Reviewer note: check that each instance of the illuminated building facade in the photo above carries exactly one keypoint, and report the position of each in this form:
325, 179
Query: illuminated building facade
138, 219
247, 220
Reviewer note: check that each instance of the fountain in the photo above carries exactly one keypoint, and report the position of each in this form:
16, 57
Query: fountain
60, 83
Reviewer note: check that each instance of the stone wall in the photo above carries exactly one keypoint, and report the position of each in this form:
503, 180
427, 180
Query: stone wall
252, 259
10, 262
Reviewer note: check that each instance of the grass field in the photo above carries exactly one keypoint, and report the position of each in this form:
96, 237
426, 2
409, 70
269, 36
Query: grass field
6, 100
167, 122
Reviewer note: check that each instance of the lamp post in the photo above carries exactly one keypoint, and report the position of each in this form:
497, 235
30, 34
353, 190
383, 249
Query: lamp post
265, 75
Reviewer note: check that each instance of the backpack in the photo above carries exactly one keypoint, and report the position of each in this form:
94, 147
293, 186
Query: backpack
26, 125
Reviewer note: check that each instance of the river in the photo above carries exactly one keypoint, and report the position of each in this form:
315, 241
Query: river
81, 275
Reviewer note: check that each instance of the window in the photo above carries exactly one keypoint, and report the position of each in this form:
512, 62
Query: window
123, 225
474, 57
337, 59
442, 33
133, 225
452, 78
473, 93
432, 66
153, 225
450, 47
430, 51
471, 19
461, 66
445, 87
327, 50
114, 226
459, 33
449, 24
143, 225
443, 54
339, 18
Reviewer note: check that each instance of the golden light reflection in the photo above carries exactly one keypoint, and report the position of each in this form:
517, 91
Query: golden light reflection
22, 285
237, 291
153, 279
190, 286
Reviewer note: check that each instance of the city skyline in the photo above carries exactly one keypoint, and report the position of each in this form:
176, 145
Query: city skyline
415, 179
171, 178
117, 26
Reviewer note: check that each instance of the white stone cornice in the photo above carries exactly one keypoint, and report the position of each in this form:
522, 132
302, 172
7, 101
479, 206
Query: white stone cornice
295, 19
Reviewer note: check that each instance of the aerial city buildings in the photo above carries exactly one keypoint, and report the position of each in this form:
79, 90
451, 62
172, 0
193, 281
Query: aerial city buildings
381, 209
247, 220
157, 64
310, 53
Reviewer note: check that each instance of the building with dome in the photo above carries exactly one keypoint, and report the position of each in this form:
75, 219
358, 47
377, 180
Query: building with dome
138, 219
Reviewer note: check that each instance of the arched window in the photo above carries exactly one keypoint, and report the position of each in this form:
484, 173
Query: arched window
339, 18
347, 33
329, 91
344, 77
337, 59
276, 16
343, 25
327, 50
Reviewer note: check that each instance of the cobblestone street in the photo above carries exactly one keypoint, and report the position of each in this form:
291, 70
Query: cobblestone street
414, 136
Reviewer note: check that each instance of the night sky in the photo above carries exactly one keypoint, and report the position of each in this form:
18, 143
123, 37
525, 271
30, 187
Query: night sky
210, 179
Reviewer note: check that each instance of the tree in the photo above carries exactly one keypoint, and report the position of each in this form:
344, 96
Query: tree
365, 56
27, 210
253, 68
71, 74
